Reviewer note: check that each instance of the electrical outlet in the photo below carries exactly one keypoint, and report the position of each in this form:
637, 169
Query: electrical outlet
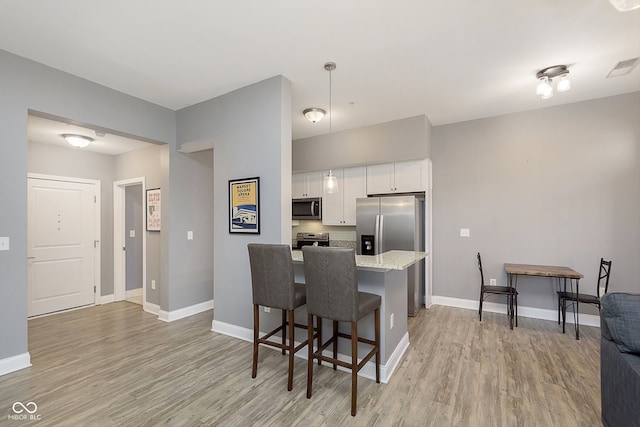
267, 309
492, 282
391, 321
153, 284
464, 232
189, 235
4, 243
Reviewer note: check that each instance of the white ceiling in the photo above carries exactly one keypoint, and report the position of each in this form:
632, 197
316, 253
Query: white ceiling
451, 60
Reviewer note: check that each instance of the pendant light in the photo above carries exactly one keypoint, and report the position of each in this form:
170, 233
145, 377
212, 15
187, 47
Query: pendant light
330, 181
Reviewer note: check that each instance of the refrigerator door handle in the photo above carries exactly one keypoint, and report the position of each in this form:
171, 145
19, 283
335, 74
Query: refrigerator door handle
376, 236
380, 233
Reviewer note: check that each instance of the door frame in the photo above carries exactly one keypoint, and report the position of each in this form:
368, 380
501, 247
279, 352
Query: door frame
119, 256
97, 229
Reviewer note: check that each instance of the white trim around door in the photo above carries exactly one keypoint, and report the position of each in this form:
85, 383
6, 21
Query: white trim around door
119, 258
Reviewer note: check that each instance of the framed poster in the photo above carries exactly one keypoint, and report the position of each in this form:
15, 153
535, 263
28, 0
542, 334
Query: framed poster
153, 210
244, 205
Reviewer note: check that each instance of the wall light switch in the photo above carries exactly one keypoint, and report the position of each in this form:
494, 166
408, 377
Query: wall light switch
4, 243
391, 321
464, 232
153, 284
132, 233
189, 235
492, 282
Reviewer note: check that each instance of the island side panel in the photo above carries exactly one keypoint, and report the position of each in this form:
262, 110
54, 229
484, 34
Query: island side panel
392, 286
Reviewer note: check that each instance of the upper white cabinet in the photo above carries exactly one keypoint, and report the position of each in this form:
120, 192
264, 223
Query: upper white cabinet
398, 177
307, 184
339, 208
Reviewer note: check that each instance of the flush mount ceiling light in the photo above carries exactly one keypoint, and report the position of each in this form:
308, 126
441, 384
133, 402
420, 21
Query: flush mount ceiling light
78, 141
314, 114
625, 5
545, 78
330, 181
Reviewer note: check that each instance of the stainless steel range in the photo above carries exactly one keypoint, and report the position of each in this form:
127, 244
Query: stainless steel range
309, 239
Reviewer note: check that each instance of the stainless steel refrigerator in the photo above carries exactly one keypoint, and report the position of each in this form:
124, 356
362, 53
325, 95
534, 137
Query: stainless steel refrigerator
394, 222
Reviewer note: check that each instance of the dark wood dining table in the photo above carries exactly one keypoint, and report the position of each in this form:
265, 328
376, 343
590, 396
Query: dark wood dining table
561, 273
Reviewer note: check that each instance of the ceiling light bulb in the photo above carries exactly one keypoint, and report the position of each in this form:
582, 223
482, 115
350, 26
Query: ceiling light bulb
78, 141
314, 114
564, 84
548, 92
625, 5
543, 85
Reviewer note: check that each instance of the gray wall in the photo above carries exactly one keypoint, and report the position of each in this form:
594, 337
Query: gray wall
261, 149
558, 186
404, 139
134, 210
29, 85
147, 162
191, 276
55, 160
71, 162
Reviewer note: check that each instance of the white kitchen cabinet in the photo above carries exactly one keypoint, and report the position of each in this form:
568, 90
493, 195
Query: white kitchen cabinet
398, 177
339, 208
306, 184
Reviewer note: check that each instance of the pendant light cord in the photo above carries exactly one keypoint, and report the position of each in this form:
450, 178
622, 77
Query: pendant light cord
330, 104
330, 182
330, 66
330, 122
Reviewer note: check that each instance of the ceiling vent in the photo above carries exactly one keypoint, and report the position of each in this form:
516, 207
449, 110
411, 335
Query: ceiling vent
623, 67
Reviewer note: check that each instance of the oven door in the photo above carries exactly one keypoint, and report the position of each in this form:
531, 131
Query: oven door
306, 209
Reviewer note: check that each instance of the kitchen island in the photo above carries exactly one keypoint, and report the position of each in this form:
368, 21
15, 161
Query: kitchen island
384, 275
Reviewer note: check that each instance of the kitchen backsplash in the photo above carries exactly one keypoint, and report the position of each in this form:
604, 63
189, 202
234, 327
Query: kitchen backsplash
339, 236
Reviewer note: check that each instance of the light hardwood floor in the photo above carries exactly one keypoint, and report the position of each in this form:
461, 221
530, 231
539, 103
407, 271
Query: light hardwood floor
115, 365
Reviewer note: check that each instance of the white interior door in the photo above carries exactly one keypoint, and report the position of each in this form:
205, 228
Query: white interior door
61, 245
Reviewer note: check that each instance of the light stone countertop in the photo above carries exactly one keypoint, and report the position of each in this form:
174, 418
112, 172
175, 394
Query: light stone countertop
390, 260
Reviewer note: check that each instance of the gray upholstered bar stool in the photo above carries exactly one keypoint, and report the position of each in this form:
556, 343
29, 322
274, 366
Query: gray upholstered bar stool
332, 293
273, 285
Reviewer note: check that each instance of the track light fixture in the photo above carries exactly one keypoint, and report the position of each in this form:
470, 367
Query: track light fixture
545, 78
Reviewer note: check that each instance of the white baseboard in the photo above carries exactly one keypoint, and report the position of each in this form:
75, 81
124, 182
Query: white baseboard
133, 293
532, 312
170, 316
15, 363
106, 299
234, 331
393, 361
368, 371
151, 308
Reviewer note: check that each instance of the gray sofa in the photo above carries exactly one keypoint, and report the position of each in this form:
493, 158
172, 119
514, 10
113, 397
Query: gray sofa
620, 359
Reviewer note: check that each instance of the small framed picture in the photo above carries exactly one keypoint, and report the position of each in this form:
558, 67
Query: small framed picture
244, 205
153, 210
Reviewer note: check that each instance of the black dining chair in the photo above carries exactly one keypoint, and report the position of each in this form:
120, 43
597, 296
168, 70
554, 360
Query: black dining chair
273, 286
568, 297
510, 292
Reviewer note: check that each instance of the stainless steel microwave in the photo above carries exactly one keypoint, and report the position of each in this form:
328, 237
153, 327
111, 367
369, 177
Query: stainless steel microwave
306, 208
